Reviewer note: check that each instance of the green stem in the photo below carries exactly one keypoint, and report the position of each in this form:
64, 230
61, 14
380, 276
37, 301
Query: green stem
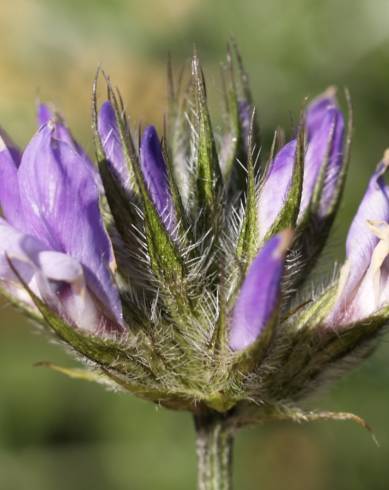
214, 452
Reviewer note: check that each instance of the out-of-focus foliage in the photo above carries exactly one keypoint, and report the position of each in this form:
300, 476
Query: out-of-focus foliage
59, 433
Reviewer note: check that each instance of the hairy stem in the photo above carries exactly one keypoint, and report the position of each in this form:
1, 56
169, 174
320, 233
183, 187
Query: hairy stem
214, 452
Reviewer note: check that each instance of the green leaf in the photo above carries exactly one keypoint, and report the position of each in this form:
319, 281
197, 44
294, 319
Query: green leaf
77, 373
247, 415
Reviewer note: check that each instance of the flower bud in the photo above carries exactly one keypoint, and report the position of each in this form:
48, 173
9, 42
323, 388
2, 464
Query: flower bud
324, 127
260, 292
156, 177
110, 140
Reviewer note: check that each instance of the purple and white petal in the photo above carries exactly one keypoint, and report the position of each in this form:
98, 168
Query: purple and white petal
156, 178
63, 278
361, 240
60, 201
259, 293
372, 291
361, 245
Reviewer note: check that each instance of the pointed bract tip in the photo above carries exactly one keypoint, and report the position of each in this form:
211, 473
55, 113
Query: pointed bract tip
385, 158
195, 63
328, 97
330, 92
286, 238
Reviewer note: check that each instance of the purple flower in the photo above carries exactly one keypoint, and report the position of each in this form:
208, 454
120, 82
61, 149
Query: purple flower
54, 231
324, 127
259, 294
111, 141
364, 279
156, 177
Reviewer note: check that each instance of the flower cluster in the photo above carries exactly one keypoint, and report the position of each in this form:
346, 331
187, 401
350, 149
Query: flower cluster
177, 269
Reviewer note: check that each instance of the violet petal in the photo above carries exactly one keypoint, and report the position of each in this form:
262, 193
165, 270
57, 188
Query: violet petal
60, 201
324, 126
155, 175
44, 114
259, 293
9, 190
276, 186
110, 139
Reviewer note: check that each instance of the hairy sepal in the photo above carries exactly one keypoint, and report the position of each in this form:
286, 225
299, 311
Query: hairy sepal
315, 356
236, 151
209, 181
247, 246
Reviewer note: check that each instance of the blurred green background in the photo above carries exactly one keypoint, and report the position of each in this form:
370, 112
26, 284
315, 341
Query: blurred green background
60, 434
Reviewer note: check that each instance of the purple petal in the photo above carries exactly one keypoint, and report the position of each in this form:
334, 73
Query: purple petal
156, 177
259, 293
276, 186
324, 126
44, 114
9, 190
317, 108
60, 201
110, 139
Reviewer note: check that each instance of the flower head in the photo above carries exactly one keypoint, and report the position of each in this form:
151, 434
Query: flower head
189, 292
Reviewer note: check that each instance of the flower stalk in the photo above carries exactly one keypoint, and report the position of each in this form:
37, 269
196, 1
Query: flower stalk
214, 447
